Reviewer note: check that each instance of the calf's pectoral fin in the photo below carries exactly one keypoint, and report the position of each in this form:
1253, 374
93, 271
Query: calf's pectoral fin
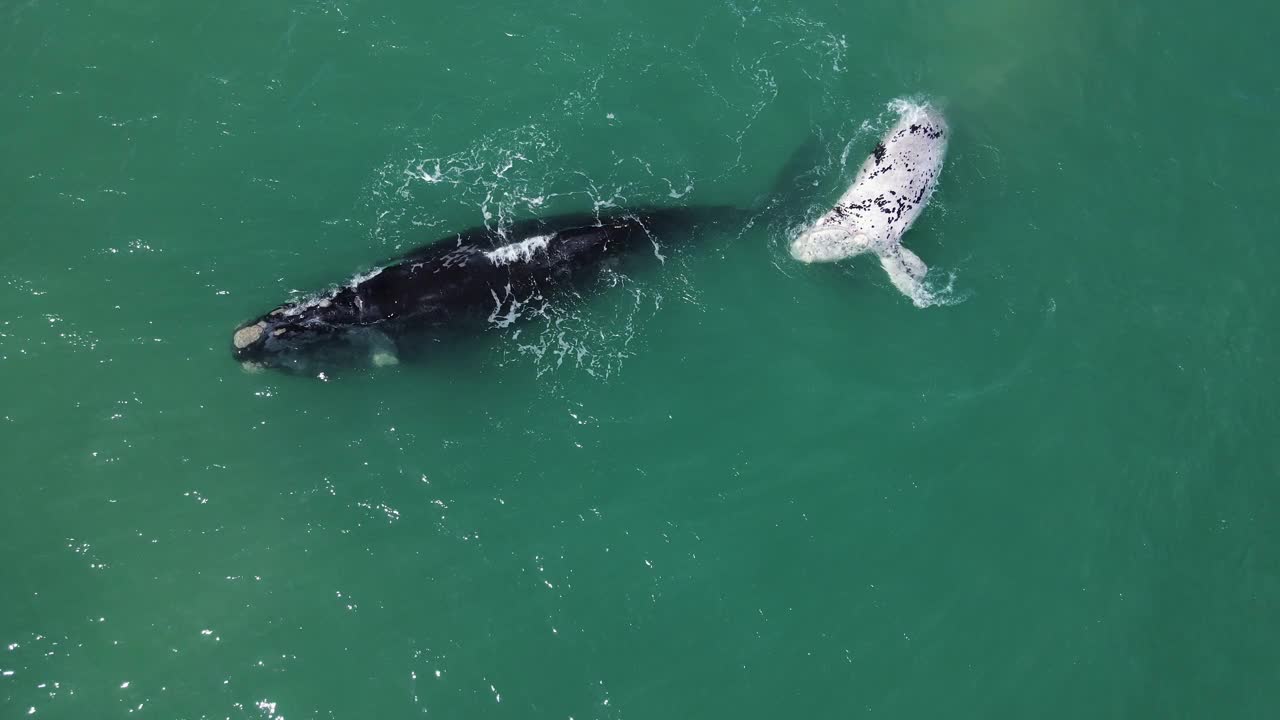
906, 270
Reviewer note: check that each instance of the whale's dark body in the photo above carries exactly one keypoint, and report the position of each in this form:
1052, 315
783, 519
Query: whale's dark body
464, 283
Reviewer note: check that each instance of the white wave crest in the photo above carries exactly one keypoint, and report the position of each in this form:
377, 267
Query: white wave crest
522, 251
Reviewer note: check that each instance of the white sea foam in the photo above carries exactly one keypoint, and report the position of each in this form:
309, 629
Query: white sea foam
364, 277
506, 309
522, 251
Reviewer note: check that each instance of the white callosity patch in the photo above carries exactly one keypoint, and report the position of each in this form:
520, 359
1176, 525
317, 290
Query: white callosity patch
522, 251
890, 191
325, 298
248, 335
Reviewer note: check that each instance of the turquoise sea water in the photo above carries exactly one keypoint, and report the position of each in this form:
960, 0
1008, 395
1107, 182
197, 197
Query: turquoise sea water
736, 487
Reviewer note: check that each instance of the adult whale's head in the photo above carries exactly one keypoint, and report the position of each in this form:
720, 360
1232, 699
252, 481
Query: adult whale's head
305, 336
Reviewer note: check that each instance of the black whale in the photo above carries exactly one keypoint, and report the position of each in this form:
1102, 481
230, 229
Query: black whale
463, 283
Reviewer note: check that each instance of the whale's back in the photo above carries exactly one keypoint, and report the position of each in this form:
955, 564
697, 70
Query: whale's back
895, 183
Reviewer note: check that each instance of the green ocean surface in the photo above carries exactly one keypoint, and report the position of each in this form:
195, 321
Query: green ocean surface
733, 487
